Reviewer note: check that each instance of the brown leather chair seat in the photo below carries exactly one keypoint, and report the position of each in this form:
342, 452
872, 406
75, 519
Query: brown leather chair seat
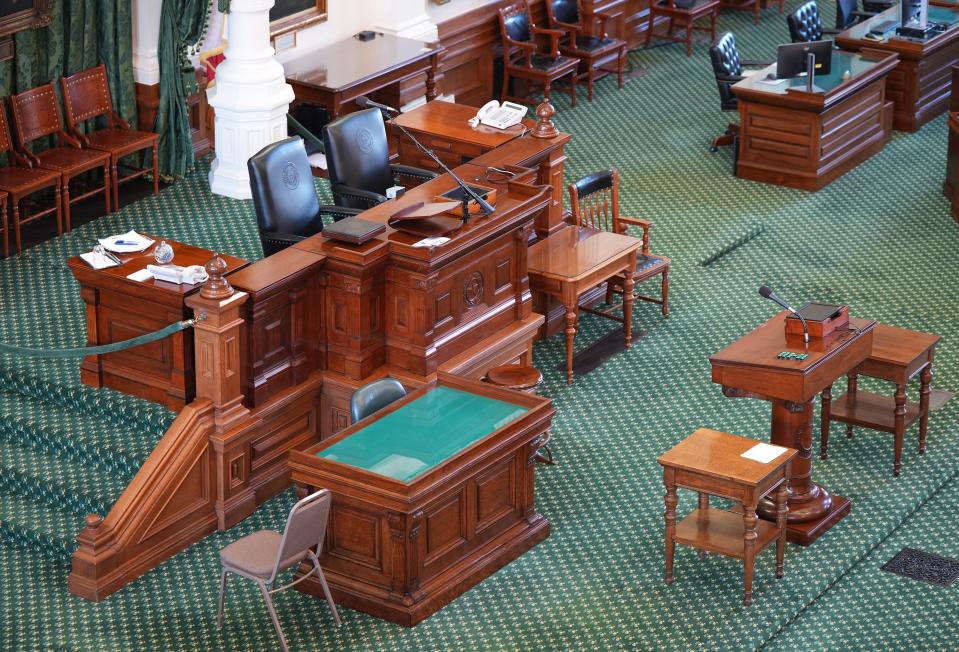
116, 139
71, 159
17, 179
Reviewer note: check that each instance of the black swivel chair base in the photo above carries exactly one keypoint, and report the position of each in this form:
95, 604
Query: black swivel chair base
729, 137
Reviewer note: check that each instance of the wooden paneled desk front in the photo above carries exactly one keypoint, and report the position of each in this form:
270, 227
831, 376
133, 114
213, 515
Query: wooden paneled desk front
119, 308
920, 85
430, 496
806, 140
750, 368
568, 263
340, 73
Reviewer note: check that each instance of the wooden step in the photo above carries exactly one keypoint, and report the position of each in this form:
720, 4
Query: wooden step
716, 530
873, 411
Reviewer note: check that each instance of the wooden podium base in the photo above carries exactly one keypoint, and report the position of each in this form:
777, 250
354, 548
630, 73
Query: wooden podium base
804, 534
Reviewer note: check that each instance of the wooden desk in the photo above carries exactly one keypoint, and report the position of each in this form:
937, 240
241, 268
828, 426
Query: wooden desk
749, 368
568, 263
806, 140
119, 308
897, 356
338, 74
430, 496
951, 185
920, 86
711, 463
442, 126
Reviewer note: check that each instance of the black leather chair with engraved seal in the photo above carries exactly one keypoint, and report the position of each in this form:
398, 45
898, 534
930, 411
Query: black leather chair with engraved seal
358, 160
284, 197
805, 24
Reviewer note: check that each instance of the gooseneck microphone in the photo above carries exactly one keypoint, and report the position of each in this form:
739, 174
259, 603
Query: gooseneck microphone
468, 193
767, 293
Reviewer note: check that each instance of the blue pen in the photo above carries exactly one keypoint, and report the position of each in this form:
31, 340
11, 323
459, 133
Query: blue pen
125, 242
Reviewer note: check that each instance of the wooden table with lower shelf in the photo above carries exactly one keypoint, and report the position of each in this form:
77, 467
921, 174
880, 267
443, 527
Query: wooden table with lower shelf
119, 308
794, 138
576, 259
431, 495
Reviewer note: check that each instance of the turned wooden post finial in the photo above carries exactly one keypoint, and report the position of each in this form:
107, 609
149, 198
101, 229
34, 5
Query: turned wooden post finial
92, 520
216, 287
544, 125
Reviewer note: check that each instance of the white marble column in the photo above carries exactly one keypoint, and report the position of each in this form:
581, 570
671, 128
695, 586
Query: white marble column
250, 98
146, 36
406, 18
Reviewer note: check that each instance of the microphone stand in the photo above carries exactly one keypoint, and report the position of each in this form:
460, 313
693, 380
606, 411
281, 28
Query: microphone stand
468, 193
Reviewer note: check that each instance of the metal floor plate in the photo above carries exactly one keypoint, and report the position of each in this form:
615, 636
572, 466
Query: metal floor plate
923, 566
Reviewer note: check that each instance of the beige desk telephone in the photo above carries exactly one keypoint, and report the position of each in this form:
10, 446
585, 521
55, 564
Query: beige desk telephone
500, 117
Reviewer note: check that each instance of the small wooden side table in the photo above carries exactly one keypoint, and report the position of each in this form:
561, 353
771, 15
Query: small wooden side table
711, 463
568, 263
897, 355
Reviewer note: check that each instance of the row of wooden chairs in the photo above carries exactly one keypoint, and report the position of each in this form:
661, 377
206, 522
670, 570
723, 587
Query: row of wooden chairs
76, 151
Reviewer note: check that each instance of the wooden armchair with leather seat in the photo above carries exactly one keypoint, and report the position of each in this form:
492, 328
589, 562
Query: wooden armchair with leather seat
594, 200
586, 39
358, 161
21, 182
86, 96
35, 115
522, 58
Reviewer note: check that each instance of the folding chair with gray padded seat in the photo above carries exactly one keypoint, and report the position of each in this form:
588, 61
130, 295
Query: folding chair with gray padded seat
263, 555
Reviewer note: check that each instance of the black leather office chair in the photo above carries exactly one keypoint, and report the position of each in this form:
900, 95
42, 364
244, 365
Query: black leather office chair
374, 397
284, 197
358, 160
728, 69
315, 149
805, 24
848, 14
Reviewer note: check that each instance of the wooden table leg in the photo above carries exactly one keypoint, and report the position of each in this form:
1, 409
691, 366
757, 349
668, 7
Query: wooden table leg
431, 78
671, 500
628, 284
925, 379
781, 496
572, 314
900, 426
703, 505
749, 551
824, 423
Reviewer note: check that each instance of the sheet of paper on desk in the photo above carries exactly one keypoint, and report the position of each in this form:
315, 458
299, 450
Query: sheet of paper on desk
97, 261
764, 453
140, 275
435, 241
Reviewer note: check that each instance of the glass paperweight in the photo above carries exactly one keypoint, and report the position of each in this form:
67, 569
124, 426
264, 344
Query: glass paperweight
163, 253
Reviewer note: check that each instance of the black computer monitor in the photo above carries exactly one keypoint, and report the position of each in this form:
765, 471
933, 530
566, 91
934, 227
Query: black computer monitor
791, 58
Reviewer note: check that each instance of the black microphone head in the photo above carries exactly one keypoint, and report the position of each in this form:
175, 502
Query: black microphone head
362, 101
764, 291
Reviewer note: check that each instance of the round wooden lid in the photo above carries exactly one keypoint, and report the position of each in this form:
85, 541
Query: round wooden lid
515, 376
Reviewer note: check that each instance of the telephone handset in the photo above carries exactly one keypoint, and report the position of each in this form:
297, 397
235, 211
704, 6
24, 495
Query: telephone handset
501, 117
192, 274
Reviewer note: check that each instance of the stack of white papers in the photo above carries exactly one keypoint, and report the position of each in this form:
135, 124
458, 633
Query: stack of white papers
435, 241
97, 261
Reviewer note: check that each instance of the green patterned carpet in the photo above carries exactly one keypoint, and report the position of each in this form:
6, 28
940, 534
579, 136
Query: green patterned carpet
880, 239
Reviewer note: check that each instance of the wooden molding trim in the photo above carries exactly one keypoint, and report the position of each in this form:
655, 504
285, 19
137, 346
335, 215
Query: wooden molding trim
167, 507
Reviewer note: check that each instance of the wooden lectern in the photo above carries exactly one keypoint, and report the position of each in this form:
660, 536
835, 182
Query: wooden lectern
750, 368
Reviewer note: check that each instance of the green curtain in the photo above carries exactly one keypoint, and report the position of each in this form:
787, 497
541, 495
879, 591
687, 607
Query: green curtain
83, 33
182, 23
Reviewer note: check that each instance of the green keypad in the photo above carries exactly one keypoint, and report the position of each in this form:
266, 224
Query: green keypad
789, 355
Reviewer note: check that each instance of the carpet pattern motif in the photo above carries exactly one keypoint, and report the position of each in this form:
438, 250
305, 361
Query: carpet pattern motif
880, 239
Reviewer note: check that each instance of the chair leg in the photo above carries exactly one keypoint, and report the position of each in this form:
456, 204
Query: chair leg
107, 187
620, 64
665, 292
326, 592
546, 91
219, 613
65, 200
589, 84
649, 29
503, 91
572, 88
115, 185
689, 38
16, 220
273, 617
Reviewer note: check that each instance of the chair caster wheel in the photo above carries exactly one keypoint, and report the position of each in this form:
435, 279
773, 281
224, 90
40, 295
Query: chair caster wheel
713, 149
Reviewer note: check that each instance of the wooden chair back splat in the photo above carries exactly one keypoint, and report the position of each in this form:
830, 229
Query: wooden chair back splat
35, 115
21, 181
594, 201
86, 95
